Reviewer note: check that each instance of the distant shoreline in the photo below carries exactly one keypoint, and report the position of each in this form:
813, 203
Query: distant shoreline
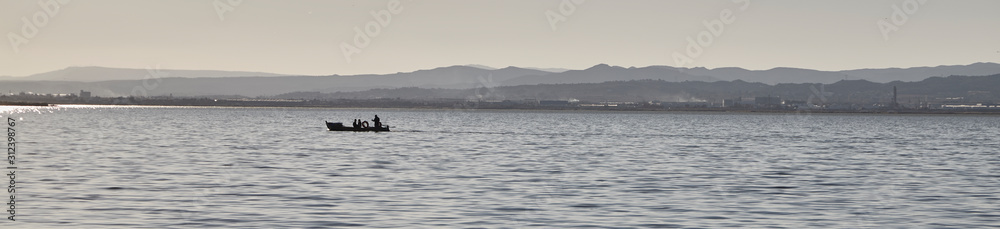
545, 108
7, 103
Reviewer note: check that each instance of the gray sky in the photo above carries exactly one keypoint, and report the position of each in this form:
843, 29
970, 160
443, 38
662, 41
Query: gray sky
308, 36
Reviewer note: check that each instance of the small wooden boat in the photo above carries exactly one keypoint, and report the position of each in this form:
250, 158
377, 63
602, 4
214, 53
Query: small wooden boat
336, 126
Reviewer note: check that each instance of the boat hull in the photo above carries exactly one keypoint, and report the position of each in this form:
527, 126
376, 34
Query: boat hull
334, 126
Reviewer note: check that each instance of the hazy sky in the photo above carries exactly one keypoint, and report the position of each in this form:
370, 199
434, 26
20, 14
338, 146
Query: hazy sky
309, 37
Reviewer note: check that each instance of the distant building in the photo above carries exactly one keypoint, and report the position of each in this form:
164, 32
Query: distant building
84, 94
792, 102
738, 102
977, 106
684, 104
767, 101
553, 103
731, 102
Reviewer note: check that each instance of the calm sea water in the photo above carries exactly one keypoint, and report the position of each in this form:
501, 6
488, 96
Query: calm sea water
162, 167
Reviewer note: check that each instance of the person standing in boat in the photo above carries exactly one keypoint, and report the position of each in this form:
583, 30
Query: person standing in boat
377, 122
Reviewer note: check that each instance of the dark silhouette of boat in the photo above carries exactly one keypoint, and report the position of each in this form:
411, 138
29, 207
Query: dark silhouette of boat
336, 126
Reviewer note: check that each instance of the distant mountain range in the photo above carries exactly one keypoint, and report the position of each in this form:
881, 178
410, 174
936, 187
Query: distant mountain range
969, 88
123, 82
95, 74
540, 69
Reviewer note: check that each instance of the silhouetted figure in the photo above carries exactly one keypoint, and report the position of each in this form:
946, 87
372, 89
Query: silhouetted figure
356, 124
377, 122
